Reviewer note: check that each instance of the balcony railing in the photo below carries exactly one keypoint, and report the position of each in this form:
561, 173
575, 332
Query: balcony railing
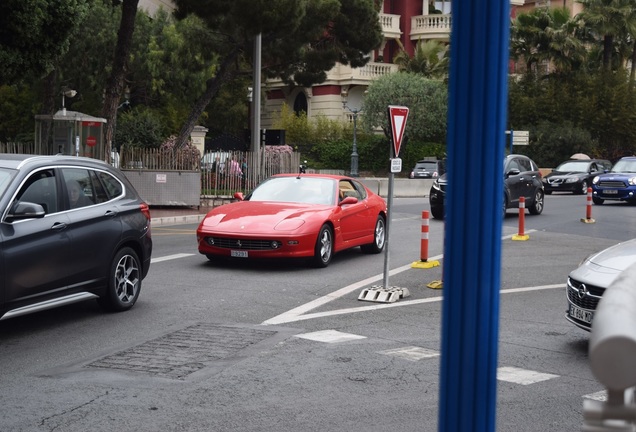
390, 26
434, 26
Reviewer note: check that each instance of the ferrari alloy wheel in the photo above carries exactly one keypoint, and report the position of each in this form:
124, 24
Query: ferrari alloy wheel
379, 238
323, 250
124, 282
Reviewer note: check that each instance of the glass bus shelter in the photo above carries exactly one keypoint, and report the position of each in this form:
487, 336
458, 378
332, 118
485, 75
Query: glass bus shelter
70, 133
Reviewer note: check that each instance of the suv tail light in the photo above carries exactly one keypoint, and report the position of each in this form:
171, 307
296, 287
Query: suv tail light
145, 210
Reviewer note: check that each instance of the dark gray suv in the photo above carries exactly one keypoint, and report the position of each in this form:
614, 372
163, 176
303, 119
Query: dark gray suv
71, 229
521, 178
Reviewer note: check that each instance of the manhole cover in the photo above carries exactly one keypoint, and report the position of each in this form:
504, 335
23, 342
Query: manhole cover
177, 355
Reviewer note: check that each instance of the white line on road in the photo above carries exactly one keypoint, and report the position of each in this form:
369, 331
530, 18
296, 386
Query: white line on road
170, 257
289, 317
300, 313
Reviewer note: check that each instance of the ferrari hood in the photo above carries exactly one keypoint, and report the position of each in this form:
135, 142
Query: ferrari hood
259, 217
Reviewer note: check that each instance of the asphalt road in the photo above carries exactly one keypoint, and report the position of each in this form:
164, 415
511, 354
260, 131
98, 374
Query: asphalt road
278, 346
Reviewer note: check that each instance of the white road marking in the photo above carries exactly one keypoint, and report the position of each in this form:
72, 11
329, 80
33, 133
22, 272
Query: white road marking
330, 336
411, 353
599, 396
300, 313
169, 257
522, 376
292, 316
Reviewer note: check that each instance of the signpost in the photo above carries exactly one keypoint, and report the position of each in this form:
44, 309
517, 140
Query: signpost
385, 294
518, 138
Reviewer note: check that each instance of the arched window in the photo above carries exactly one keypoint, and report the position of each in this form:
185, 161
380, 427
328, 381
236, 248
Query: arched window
300, 103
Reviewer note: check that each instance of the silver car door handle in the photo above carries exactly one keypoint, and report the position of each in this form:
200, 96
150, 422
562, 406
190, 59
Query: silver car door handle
111, 213
59, 226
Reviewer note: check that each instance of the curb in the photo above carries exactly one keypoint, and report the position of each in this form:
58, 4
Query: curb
176, 220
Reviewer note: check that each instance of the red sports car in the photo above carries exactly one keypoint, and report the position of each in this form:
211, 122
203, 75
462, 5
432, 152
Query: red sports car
295, 216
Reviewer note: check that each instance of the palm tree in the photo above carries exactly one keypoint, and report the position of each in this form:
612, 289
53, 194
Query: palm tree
547, 35
612, 20
430, 58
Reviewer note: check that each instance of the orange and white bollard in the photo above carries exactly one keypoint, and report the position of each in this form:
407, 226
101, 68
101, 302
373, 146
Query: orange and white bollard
521, 235
424, 262
588, 211
424, 239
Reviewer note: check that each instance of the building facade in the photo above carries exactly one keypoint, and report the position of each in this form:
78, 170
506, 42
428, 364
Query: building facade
408, 21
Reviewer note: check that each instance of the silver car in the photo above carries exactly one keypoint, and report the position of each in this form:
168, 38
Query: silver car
588, 282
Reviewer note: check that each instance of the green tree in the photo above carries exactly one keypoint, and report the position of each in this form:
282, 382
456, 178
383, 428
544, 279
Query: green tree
431, 59
547, 35
301, 39
426, 99
34, 34
613, 21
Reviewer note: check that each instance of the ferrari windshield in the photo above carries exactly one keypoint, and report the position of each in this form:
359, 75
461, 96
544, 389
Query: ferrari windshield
308, 190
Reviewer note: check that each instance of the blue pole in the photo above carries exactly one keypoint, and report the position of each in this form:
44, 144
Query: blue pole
472, 241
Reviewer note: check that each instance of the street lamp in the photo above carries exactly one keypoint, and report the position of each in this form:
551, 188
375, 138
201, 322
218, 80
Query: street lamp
66, 92
354, 111
114, 151
127, 97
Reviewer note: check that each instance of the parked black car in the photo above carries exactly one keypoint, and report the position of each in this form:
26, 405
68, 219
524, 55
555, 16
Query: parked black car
71, 229
575, 175
521, 178
427, 169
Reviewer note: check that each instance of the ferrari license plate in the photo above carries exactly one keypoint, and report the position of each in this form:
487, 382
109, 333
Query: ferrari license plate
238, 253
610, 192
581, 314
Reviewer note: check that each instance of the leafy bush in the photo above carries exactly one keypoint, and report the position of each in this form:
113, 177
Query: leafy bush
140, 128
187, 156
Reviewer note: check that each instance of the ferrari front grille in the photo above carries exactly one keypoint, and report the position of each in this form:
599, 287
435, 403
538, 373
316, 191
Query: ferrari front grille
244, 244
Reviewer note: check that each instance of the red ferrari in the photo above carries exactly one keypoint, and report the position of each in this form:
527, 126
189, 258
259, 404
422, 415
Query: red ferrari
296, 216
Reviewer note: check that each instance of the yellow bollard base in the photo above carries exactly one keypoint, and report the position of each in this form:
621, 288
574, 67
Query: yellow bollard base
435, 285
588, 220
425, 264
521, 237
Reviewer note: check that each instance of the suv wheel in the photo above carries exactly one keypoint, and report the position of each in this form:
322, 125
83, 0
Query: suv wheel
124, 282
537, 204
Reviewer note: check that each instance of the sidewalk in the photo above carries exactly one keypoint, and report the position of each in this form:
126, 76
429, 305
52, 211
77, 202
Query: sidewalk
167, 215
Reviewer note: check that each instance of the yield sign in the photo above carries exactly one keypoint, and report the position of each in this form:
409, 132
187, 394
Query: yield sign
398, 116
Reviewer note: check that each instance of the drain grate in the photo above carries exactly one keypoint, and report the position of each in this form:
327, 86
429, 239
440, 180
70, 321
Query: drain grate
178, 354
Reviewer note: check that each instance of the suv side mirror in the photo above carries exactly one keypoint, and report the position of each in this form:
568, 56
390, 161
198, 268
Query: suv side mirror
513, 172
25, 210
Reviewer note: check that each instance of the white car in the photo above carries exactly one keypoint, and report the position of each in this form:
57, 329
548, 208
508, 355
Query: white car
588, 282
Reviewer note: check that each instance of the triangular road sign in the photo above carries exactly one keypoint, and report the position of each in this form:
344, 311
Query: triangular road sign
397, 117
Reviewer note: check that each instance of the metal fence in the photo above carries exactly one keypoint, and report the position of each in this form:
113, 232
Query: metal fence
222, 172
17, 147
226, 172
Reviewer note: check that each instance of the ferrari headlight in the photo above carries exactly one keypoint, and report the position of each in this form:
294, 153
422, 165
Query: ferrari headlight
289, 224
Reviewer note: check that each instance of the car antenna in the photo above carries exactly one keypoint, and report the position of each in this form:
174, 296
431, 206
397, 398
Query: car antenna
302, 169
